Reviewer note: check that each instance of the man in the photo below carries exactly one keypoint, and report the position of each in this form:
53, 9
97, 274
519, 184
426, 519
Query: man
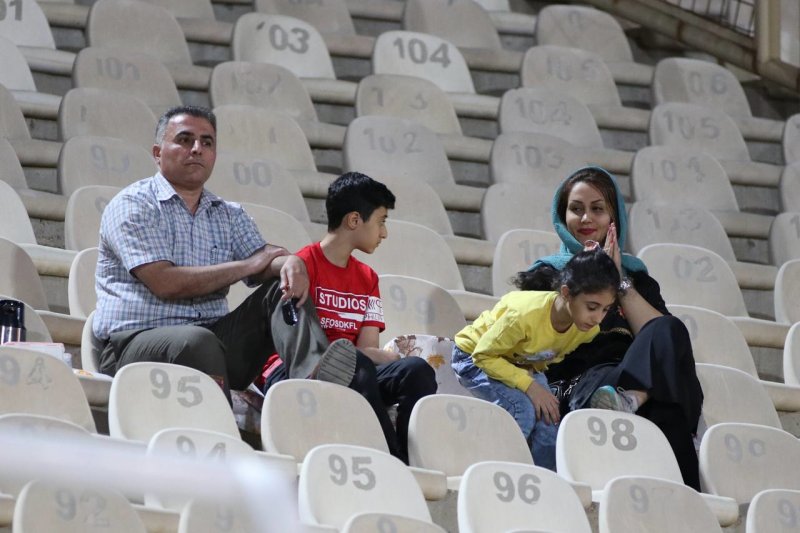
169, 250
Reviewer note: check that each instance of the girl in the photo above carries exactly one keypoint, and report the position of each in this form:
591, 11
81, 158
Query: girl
526, 331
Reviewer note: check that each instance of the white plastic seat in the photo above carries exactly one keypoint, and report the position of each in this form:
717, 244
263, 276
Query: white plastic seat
516, 250
34, 324
12, 121
26, 25
338, 481
148, 397
205, 517
503, 496
784, 238
84, 211
789, 187
791, 356
791, 140
639, 503
741, 460
80, 288
508, 206
43, 506
462, 22
37, 383
280, 227
93, 160
437, 351
18, 276
543, 111
415, 305
772, 510
787, 291
731, 395
523, 157
90, 347
16, 74
370, 522
329, 17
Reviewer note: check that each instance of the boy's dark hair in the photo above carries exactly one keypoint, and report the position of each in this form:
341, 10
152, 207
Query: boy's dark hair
354, 191
589, 271
191, 110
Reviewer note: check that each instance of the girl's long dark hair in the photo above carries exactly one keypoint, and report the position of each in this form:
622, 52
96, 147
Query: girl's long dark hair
589, 271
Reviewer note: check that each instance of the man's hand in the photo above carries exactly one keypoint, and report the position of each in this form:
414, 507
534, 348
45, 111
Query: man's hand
294, 279
259, 263
544, 403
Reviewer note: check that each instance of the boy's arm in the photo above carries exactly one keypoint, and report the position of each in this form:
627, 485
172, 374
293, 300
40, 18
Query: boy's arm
367, 342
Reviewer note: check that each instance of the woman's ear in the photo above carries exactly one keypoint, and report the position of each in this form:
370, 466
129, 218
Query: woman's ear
564, 291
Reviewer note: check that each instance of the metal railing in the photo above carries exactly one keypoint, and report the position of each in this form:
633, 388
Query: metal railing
739, 15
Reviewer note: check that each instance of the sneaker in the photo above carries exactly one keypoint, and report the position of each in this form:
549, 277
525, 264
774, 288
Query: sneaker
338, 363
616, 400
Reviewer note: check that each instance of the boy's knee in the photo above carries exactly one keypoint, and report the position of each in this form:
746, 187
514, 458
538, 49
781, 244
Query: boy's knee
420, 375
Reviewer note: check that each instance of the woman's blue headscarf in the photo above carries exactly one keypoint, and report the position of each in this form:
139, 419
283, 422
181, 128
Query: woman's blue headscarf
571, 246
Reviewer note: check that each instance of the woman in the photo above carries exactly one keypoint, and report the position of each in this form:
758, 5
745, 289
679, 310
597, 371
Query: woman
642, 359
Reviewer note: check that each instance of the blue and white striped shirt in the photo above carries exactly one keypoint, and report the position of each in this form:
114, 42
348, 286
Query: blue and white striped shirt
147, 222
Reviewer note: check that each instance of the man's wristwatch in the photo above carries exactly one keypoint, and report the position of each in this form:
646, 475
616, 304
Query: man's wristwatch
624, 286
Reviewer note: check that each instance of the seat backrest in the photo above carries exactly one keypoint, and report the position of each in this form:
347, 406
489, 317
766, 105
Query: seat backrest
13, 174
791, 356
494, 5
791, 139
579, 73
437, 351
697, 127
25, 24
140, 26
214, 517
441, 425
91, 346
523, 157
12, 121
43, 506
638, 503
585, 28
262, 132
338, 481
652, 222
508, 206
134, 73
329, 17
503, 496
417, 251
239, 177
417, 202
790, 187
715, 338
261, 85
666, 173
191, 444
299, 414
381, 145
36, 328
36, 383
99, 112
408, 97
93, 160
80, 286
371, 522
538, 110
18, 276
278, 226
462, 22
424, 56
787, 292
196, 9
691, 275
773, 510
84, 211
415, 305
148, 397
286, 41
15, 74
730, 395
741, 460
516, 250
784, 238
16, 225
693, 81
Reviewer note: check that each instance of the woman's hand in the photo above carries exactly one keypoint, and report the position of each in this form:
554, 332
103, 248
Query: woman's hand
544, 403
612, 247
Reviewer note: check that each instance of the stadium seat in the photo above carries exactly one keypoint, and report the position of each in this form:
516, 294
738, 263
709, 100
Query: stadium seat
148, 397
48, 506
414, 305
461, 22
740, 460
790, 187
17, 77
508, 206
516, 250
16, 74
90, 347
784, 238
278, 226
772, 510
730, 395
37, 329
100, 112
198, 21
38, 383
502, 496
787, 291
338, 481
80, 288
84, 210
639, 503
203, 517
370, 522
437, 351
522, 157
694, 81
109, 161
791, 140
18, 276
122, 70
791, 356
34, 152
596, 31
543, 111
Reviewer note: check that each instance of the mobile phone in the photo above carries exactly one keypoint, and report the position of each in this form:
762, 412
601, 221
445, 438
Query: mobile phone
289, 310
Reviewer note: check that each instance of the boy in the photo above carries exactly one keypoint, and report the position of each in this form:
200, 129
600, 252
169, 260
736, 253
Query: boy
347, 297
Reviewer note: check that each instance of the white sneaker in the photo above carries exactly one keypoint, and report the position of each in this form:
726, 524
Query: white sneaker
616, 400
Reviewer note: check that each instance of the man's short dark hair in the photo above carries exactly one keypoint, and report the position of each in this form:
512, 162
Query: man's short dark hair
191, 110
354, 191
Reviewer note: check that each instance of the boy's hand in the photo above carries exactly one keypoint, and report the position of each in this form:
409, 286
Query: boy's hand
544, 403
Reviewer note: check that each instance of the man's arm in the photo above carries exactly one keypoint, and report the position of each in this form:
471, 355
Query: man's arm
367, 342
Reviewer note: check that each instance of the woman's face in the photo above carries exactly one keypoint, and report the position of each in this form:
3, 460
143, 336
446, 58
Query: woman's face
588, 214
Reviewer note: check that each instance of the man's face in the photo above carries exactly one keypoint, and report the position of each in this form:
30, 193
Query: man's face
186, 155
